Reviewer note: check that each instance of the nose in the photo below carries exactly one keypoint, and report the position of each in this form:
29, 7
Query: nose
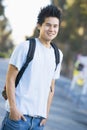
51, 28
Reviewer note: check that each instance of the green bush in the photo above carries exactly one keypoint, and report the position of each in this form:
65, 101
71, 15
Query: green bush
6, 54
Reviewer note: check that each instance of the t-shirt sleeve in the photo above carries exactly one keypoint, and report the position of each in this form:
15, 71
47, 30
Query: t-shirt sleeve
58, 69
19, 54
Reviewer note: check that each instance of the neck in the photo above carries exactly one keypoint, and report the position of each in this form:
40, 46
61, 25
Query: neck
44, 42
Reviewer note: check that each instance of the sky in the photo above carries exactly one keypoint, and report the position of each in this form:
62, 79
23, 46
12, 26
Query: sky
22, 15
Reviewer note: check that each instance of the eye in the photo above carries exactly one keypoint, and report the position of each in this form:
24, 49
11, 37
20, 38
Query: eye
55, 26
47, 24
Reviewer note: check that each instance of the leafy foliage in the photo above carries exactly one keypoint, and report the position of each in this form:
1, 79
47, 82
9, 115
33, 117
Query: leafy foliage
73, 30
6, 42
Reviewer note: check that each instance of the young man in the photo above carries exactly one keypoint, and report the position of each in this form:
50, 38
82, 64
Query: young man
28, 105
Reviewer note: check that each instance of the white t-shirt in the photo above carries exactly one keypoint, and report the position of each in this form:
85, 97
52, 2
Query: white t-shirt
33, 89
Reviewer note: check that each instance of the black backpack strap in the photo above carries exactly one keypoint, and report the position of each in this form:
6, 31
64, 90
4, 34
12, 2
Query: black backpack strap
57, 55
30, 55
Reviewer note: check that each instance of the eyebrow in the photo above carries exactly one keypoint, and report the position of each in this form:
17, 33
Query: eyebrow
53, 24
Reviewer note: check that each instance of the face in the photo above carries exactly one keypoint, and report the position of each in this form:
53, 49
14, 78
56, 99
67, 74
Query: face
49, 29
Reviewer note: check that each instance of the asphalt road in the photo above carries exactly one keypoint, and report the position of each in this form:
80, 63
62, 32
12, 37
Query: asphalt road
67, 111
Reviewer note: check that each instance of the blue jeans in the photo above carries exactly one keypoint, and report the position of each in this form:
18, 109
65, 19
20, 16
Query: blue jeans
32, 123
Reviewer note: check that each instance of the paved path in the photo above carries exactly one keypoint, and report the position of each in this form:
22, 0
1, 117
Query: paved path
3, 69
65, 114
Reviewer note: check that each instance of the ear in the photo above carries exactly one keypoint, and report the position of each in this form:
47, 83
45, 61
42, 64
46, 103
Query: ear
38, 26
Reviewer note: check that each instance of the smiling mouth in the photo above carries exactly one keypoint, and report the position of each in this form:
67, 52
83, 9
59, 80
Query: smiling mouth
50, 34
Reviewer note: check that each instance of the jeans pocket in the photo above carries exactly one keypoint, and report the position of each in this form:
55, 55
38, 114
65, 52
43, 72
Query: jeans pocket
14, 120
9, 124
13, 124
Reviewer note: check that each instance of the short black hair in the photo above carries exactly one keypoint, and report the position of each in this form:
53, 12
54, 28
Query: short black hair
48, 11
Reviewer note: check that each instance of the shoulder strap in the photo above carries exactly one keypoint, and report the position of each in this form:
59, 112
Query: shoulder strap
30, 55
57, 55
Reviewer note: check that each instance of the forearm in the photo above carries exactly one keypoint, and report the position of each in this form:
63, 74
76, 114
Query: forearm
50, 97
10, 90
51, 94
10, 85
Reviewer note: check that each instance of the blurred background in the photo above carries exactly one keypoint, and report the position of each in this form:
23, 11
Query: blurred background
18, 21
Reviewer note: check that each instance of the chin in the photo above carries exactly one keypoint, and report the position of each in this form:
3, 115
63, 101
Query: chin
50, 39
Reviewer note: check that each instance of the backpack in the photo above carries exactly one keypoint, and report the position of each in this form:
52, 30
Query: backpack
30, 56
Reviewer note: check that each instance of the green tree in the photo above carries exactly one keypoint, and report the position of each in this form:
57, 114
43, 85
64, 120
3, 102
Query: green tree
74, 23
73, 33
6, 42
